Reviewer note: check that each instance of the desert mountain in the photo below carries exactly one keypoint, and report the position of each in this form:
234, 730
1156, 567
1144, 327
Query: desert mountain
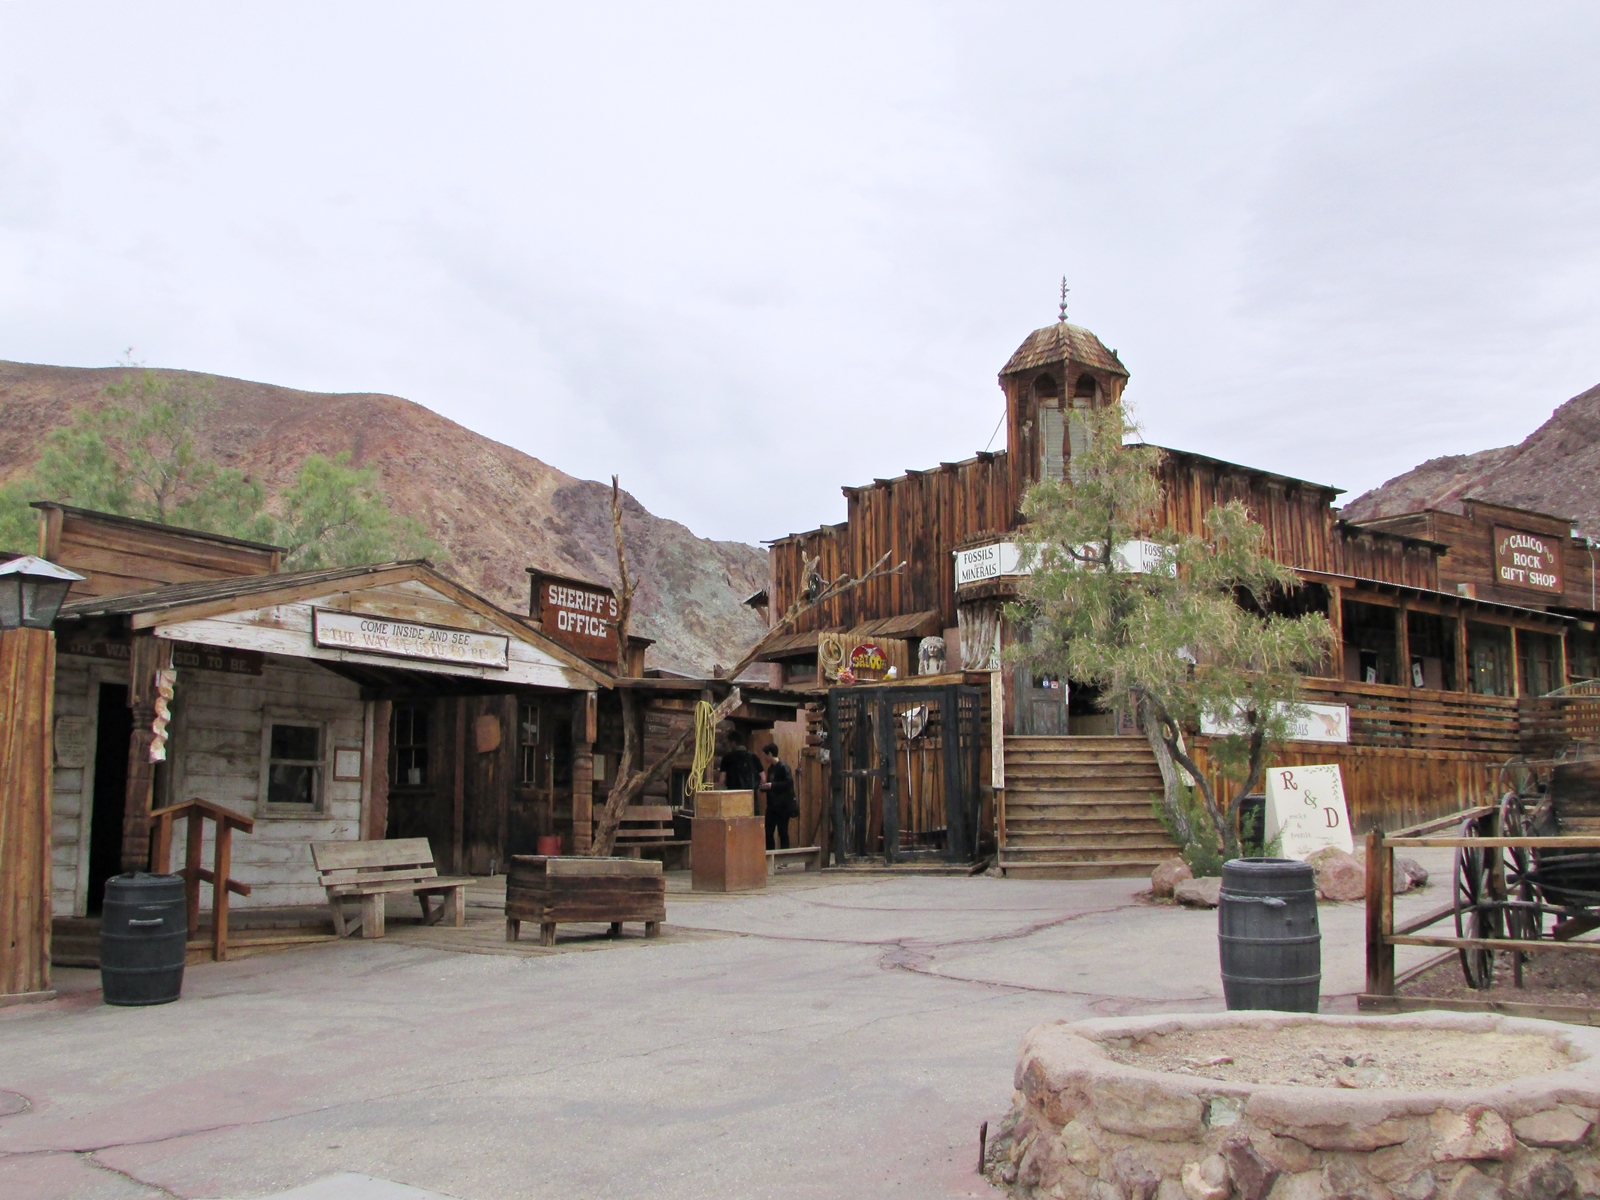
494, 510
1555, 469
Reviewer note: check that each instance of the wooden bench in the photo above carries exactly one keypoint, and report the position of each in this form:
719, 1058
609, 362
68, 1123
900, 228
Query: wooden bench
552, 891
647, 827
811, 855
372, 870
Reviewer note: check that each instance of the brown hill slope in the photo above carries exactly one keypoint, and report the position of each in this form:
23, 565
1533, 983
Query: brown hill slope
495, 510
1555, 469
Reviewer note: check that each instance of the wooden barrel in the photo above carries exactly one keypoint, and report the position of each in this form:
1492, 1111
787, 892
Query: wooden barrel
144, 931
1267, 935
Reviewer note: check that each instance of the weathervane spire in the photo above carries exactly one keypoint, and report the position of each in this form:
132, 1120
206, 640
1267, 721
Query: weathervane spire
1063, 315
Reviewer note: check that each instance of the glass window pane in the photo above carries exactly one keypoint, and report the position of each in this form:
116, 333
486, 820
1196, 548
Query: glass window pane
287, 784
295, 742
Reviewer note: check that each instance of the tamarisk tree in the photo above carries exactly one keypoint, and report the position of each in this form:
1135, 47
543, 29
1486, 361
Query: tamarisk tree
1182, 630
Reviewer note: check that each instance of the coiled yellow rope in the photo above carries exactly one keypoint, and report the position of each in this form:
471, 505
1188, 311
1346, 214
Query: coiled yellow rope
705, 748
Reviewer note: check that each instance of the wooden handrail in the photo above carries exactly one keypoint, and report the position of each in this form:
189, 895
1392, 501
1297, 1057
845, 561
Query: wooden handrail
197, 812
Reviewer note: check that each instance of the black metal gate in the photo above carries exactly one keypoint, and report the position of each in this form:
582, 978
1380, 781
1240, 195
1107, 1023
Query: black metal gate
904, 762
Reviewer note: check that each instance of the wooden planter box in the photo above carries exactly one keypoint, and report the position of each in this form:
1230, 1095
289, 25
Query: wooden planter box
555, 891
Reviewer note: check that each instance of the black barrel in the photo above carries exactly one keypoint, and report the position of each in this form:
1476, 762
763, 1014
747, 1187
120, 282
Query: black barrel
144, 930
1267, 933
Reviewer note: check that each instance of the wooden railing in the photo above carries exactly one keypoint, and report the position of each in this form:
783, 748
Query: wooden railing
1550, 723
198, 812
1422, 718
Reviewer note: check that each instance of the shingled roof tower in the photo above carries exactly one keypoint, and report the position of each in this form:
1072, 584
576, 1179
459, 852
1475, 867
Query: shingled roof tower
1056, 370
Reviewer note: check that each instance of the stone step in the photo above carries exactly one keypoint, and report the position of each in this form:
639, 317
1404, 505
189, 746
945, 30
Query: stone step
1120, 869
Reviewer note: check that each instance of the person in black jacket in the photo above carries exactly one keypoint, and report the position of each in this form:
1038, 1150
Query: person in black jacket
781, 804
740, 770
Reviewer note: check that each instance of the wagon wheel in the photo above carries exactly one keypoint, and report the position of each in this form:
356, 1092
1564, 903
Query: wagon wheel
1520, 776
1479, 914
1524, 919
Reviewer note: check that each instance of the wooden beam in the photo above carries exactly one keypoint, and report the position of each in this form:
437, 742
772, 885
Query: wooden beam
27, 691
149, 654
458, 790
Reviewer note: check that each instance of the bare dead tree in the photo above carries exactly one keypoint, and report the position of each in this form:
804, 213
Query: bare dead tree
817, 592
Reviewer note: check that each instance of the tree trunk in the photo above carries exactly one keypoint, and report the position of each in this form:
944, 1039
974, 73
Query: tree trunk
1172, 785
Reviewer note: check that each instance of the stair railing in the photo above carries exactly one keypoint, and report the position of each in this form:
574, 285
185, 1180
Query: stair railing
198, 812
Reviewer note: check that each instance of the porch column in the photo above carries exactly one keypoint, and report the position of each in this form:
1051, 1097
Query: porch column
27, 696
584, 707
149, 655
375, 806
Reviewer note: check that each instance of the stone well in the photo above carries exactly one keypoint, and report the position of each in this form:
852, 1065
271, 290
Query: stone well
1502, 1117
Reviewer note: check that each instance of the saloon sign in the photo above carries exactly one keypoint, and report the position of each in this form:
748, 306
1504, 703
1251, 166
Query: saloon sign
582, 616
1528, 560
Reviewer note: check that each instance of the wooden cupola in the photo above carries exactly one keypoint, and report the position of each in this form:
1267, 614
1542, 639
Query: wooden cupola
1058, 369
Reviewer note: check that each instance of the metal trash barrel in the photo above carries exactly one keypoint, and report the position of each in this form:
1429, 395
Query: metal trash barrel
1267, 935
144, 931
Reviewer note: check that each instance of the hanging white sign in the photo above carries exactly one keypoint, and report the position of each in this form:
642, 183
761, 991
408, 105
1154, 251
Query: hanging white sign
1306, 806
1329, 723
407, 639
1004, 558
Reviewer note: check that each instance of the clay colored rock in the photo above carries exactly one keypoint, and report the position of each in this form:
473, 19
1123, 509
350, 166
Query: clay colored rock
1555, 1127
1188, 1129
1416, 875
1169, 873
1199, 893
1340, 876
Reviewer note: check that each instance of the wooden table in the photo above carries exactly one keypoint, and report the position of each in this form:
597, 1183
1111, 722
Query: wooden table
555, 891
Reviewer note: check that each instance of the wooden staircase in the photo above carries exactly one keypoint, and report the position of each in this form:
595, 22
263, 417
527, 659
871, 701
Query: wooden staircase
1080, 808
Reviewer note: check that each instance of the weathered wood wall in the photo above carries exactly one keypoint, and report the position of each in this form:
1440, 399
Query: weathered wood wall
1387, 557
118, 556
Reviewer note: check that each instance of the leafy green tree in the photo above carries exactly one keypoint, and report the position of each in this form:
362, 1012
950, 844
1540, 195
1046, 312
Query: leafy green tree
136, 456
335, 515
1188, 632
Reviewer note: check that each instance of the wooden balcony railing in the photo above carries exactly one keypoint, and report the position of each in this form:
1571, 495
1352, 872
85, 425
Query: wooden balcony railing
1422, 718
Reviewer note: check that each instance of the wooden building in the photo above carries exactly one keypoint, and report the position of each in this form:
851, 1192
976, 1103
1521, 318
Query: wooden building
1446, 652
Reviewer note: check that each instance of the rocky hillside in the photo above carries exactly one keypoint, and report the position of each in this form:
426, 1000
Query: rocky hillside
494, 510
1555, 469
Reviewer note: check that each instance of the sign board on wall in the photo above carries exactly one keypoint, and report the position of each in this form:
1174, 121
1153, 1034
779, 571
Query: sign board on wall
188, 655
1306, 805
1307, 723
1528, 560
370, 634
581, 616
72, 742
1000, 559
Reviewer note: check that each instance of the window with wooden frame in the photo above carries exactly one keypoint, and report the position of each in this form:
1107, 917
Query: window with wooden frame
409, 738
1538, 662
528, 745
1431, 638
1371, 642
294, 764
1489, 659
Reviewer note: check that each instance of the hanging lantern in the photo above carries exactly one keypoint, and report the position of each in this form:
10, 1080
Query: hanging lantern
32, 592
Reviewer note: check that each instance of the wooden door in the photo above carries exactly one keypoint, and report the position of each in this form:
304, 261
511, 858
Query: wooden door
1041, 703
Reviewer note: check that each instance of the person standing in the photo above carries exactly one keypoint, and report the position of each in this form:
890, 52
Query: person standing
781, 804
739, 770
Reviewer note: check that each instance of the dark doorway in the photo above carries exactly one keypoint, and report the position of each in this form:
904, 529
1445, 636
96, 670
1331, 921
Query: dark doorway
114, 731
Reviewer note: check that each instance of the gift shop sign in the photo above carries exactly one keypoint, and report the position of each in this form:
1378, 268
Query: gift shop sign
1528, 560
1306, 806
406, 639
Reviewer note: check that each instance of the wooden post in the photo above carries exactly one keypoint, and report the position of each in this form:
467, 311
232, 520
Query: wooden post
1516, 661
222, 865
193, 839
1402, 632
1463, 661
889, 765
836, 781
956, 821
1380, 915
375, 817
458, 792
582, 774
149, 655
27, 699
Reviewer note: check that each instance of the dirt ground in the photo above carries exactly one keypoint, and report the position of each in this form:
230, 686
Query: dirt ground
1351, 1058
1553, 978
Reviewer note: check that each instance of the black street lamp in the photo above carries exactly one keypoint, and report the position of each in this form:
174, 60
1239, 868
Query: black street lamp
32, 591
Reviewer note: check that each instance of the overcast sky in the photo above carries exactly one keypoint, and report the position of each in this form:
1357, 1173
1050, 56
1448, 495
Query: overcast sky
744, 256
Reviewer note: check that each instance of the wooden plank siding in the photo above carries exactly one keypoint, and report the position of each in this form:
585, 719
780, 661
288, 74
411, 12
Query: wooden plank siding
120, 555
922, 517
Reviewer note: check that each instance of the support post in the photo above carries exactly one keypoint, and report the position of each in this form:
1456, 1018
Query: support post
222, 866
1380, 915
27, 699
957, 822
836, 781
582, 777
194, 832
148, 655
375, 771
889, 767
458, 792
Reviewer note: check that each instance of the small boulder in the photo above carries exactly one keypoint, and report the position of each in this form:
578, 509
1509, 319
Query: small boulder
1557, 1128
1199, 893
1415, 873
1169, 873
1340, 876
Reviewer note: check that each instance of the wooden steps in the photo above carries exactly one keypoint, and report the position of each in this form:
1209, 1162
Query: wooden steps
1080, 808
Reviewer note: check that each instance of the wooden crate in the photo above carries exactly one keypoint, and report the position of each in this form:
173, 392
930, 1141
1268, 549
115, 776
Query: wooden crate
554, 891
725, 804
729, 854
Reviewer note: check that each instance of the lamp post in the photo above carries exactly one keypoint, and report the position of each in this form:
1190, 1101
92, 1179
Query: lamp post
31, 594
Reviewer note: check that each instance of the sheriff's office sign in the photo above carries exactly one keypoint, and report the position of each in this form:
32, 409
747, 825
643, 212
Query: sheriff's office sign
581, 616
1306, 806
